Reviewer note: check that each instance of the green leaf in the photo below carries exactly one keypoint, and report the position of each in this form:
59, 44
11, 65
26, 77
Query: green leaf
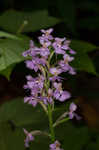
82, 46
22, 114
82, 61
11, 53
8, 35
14, 116
72, 137
11, 139
7, 72
14, 21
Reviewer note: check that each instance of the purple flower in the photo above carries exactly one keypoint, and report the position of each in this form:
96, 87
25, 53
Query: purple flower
58, 46
71, 51
54, 78
64, 64
59, 94
35, 62
35, 84
47, 34
55, 146
55, 71
31, 100
47, 99
72, 113
44, 51
29, 138
32, 51
72, 108
31, 64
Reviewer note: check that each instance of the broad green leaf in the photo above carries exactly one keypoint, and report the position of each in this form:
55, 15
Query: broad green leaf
11, 139
7, 72
8, 35
11, 52
82, 46
14, 21
82, 61
22, 114
72, 137
14, 116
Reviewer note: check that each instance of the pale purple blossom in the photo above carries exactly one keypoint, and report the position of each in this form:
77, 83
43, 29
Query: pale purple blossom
31, 100
47, 34
64, 64
59, 94
55, 71
48, 99
29, 138
55, 146
58, 46
72, 110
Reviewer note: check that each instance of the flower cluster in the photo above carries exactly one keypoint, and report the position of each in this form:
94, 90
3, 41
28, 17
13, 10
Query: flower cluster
41, 59
46, 88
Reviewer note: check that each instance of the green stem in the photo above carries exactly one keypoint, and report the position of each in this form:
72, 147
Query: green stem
51, 123
59, 122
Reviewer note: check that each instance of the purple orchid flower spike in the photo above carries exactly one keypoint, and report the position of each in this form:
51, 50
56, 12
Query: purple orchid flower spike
55, 146
29, 138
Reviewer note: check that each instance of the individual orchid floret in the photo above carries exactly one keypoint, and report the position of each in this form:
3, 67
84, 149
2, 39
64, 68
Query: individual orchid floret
29, 138
32, 51
31, 100
47, 34
55, 146
72, 113
35, 85
59, 94
64, 64
55, 71
49, 98
31, 64
57, 45
72, 108
35, 63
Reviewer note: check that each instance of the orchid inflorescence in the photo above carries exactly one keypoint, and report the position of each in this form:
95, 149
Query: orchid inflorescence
46, 88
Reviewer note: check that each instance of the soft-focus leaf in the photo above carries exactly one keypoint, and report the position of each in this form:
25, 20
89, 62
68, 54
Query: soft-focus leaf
14, 21
82, 46
14, 116
11, 52
11, 139
22, 114
7, 72
8, 35
82, 61
72, 137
